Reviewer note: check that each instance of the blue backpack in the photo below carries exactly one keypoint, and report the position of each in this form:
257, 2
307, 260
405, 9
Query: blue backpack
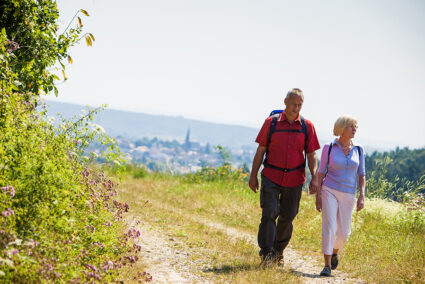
276, 114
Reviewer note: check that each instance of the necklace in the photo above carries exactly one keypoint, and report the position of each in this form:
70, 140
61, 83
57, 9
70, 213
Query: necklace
344, 148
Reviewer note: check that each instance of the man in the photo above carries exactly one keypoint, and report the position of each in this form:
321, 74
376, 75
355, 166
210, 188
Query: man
283, 175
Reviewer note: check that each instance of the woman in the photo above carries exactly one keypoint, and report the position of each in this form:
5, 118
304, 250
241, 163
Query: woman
341, 170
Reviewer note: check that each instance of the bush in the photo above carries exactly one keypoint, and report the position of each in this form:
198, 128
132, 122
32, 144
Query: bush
59, 219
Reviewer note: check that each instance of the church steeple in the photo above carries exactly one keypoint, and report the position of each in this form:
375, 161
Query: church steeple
187, 141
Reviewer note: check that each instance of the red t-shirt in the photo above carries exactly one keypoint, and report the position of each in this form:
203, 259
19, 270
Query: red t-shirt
286, 150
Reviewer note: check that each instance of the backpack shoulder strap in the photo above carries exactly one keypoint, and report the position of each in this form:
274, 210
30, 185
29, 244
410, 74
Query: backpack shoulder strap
272, 129
304, 130
360, 150
329, 154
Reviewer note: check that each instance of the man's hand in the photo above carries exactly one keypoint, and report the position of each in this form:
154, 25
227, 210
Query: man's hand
360, 202
319, 202
253, 183
314, 185
256, 163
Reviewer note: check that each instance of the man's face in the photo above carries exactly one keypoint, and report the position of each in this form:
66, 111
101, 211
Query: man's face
293, 106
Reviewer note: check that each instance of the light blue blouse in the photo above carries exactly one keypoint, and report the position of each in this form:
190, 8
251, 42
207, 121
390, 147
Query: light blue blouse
343, 171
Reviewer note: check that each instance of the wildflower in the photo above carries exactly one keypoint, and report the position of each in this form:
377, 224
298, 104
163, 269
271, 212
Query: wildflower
49, 267
11, 46
97, 128
9, 189
86, 172
108, 265
8, 212
92, 267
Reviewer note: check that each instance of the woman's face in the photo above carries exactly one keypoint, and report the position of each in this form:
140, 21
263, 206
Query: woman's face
350, 130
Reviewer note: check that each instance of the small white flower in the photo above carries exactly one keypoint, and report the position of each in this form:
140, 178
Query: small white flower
98, 128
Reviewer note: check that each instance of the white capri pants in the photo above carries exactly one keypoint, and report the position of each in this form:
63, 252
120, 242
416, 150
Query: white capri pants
337, 209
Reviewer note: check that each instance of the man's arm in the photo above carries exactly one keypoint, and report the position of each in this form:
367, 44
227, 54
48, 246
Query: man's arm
256, 164
312, 165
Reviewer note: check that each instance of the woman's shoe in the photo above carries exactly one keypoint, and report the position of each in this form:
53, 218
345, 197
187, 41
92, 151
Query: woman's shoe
334, 261
326, 271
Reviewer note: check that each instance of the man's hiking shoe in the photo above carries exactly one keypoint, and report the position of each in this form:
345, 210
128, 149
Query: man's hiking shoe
326, 271
279, 260
267, 260
334, 261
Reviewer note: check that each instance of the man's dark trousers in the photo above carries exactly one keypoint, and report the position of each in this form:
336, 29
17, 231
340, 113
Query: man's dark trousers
277, 201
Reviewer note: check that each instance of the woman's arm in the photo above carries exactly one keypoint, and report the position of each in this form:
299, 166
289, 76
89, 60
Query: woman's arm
320, 178
362, 186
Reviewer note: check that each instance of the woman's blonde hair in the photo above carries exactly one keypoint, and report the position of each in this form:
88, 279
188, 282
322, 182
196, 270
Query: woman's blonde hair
342, 122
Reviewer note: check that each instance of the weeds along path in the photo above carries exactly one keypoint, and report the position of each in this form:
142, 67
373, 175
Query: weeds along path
179, 246
165, 260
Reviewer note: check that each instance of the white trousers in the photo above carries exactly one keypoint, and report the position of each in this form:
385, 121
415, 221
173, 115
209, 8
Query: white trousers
337, 209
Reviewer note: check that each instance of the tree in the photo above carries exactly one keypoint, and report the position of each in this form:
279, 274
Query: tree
36, 52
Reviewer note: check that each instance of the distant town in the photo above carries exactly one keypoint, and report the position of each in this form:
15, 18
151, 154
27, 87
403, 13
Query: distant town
180, 158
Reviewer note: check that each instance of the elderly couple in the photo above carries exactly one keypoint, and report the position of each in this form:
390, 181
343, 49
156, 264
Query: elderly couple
282, 140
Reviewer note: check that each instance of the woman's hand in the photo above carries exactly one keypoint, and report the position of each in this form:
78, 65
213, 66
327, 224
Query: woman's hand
360, 202
319, 201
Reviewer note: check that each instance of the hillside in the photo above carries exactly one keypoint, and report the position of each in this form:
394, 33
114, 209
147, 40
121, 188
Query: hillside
134, 126
138, 125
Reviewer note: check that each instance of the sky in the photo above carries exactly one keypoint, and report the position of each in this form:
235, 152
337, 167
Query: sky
232, 61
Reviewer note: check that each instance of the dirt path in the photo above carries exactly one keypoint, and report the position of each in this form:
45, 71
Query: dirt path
171, 261
166, 260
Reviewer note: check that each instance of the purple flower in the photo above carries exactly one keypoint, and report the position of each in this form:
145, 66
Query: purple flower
11, 46
9, 189
108, 265
8, 212
92, 267
134, 233
15, 252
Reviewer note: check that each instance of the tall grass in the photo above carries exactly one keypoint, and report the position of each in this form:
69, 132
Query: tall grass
387, 243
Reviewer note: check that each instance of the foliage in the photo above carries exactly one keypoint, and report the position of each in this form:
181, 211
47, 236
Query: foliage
30, 34
406, 166
223, 172
59, 219
224, 155
401, 190
137, 171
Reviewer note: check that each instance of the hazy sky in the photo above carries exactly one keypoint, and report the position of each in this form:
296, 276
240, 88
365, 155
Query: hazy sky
233, 61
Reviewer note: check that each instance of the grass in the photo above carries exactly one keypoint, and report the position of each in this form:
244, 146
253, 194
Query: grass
387, 243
